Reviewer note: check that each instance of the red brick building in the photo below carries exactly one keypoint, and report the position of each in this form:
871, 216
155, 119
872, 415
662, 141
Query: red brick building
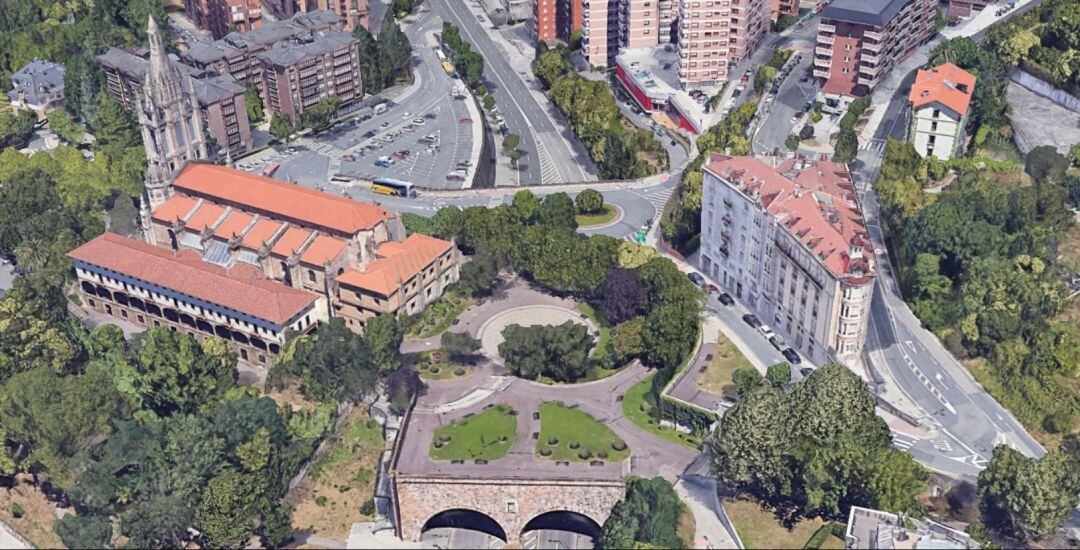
221, 17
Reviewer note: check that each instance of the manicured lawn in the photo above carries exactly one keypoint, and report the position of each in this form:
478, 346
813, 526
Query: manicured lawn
562, 428
636, 405
717, 375
438, 317
487, 435
600, 218
759, 528
436, 365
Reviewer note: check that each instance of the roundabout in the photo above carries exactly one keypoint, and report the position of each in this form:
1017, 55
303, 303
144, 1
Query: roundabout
490, 333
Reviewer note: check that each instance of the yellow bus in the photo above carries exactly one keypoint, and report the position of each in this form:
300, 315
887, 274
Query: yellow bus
448, 68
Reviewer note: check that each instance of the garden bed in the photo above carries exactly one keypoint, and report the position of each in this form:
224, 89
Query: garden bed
484, 436
636, 405
439, 316
574, 435
606, 214
716, 377
437, 365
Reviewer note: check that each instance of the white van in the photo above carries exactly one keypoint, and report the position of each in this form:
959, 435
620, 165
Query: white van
380, 109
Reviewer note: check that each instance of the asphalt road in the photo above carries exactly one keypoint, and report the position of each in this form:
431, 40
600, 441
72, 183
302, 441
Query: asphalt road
792, 95
552, 156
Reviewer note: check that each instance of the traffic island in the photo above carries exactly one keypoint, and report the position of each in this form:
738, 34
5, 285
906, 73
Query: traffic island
487, 435
571, 435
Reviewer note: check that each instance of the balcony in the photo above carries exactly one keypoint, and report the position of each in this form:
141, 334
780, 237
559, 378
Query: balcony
875, 36
825, 39
821, 74
872, 47
868, 82
823, 27
871, 59
872, 72
823, 63
827, 52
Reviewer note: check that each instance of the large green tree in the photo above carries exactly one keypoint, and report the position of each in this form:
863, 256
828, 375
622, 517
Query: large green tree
560, 352
331, 365
175, 373
1026, 497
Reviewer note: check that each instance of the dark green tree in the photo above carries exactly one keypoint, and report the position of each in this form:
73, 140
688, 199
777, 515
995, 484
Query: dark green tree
254, 105
175, 373
779, 374
332, 365
383, 335
847, 146
1045, 163
114, 130
746, 379
560, 352
1025, 497
557, 210
479, 274
84, 531
589, 201
459, 344
281, 127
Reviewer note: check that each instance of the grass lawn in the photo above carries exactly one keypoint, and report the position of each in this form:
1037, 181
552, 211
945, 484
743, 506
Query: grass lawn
759, 528
331, 497
567, 428
636, 405
436, 365
438, 317
687, 527
605, 215
487, 435
717, 374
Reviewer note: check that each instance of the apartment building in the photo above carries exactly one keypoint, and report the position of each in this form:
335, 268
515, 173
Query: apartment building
542, 24
859, 41
781, 8
280, 9
299, 73
644, 23
599, 31
221, 98
355, 13
221, 17
235, 54
568, 19
940, 100
715, 35
787, 237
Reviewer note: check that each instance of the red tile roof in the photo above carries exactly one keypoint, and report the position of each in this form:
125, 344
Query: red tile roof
176, 208
323, 249
263, 230
946, 84
396, 264
283, 201
815, 202
187, 274
205, 217
291, 241
233, 225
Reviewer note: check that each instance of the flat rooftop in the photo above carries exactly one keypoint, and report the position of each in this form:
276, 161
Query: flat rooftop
654, 70
877, 13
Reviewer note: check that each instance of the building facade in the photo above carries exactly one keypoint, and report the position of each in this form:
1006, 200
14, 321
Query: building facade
280, 9
542, 24
568, 20
644, 23
222, 100
859, 41
786, 236
221, 17
940, 100
715, 35
170, 122
304, 71
517, 10
354, 13
599, 31
960, 9
38, 86
780, 8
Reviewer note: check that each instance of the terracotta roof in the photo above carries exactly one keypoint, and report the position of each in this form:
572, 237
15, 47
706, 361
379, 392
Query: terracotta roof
280, 200
206, 216
263, 230
946, 84
176, 208
815, 202
323, 249
396, 263
291, 241
233, 225
188, 275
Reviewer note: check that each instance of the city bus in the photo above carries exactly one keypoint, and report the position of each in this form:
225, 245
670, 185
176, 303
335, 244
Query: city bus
270, 169
448, 68
388, 186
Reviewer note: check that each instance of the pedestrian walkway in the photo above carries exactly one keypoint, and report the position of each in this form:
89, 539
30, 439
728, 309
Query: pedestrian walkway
699, 494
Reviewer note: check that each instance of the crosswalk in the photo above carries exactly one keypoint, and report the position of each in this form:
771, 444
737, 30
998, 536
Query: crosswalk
903, 442
658, 198
876, 145
323, 148
549, 173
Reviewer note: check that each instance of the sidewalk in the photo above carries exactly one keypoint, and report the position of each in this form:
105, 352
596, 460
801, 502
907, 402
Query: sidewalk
699, 494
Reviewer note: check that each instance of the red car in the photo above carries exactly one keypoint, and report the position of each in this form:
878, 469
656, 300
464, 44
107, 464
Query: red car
465, 120
712, 288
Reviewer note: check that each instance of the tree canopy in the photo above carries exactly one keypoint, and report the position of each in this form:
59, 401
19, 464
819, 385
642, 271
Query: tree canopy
559, 352
647, 515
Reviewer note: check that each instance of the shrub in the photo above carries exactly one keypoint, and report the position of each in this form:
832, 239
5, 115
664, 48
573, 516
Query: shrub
459, 371
618, 445
589, 201
445, 438
545, 451
584, 455
368, 507
575, 445
17, 510
320, 501
601, 454
434, 369
553, 440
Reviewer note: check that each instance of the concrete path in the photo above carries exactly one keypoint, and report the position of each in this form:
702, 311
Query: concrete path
699, 494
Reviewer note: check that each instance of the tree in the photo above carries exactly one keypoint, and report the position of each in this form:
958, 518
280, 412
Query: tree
648, 514
560, 352
751, 451
15, 129
459, 344
763, 77
114, 130
68, 130
589, 201
1045, 163
626, 339
1026, 497
371, 73
276, 528
383, 335
175, 373
806, 132
281, 127
510, 142
624, 295
833, 400
745, 379
489, 104
401, 385
254, 105
779, 374
557, 210
479, 274
447, 223
320, 116
847, 146
332, 365
791, 142
395, 52
84, 531
226, 511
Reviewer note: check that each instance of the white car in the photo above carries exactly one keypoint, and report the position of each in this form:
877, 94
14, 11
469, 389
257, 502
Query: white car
406, 115
766, 331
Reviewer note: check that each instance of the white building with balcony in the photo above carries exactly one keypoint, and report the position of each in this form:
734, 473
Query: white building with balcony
786, 236
940, 100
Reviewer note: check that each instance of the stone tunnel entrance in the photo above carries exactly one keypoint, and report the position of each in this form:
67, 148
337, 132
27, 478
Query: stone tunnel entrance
560, 529
461, 528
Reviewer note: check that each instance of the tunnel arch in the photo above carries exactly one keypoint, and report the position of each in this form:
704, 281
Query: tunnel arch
564, 520
464, 518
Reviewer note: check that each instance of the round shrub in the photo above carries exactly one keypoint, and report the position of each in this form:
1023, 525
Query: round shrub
545, 451
438, 444
553, 440
434, 370
502, 438
601, 454
584, 455
445, 438
460, 371
575, 445
320, 501
618, 445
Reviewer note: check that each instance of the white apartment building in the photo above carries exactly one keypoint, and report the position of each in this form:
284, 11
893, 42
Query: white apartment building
715, 35
786, 236
940, 98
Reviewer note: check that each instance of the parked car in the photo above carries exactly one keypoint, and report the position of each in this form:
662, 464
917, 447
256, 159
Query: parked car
465, 120
766, 331
369, 134
453, 176
713, 289
792, 356
348, 157
806, 371
778, 342
751, 320
419, 121
726, 299
696, 278
400, 155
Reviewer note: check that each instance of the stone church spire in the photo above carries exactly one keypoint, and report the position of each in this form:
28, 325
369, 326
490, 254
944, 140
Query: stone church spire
171, 124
